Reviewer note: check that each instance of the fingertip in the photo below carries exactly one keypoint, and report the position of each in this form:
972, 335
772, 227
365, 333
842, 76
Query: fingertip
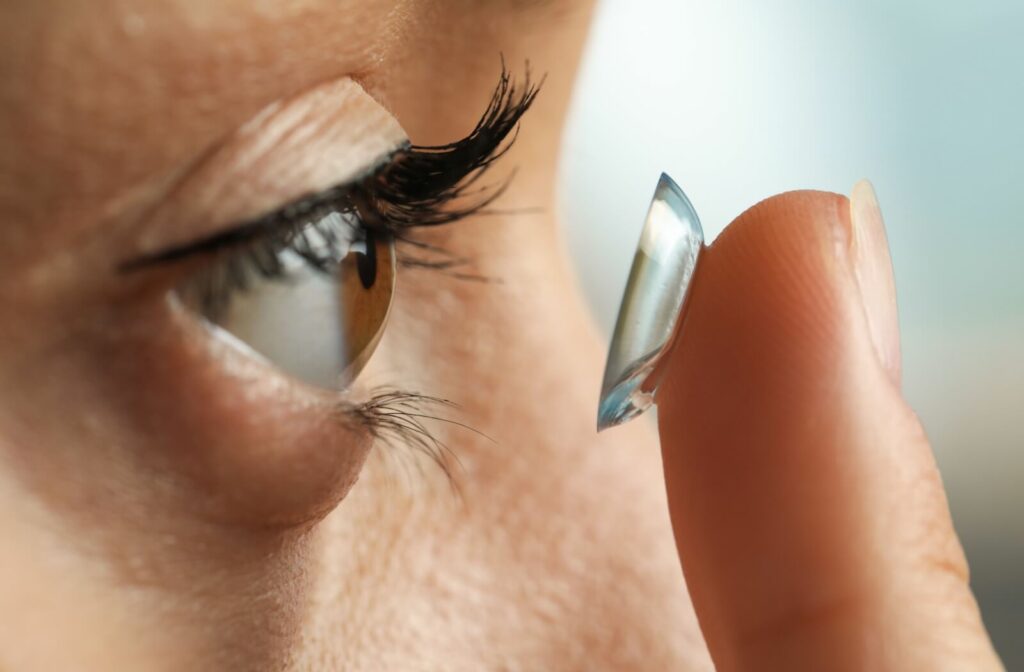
770, 306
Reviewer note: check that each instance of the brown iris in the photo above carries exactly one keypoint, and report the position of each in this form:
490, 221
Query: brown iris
366, 285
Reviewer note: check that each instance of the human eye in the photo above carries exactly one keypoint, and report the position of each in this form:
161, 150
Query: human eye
309, 285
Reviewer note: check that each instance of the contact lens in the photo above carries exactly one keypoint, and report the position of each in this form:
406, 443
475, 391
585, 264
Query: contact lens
652, 306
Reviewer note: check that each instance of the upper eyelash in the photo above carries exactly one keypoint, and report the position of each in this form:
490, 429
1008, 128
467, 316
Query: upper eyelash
417, 186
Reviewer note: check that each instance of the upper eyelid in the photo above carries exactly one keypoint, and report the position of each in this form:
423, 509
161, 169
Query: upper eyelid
331, 134
428, 177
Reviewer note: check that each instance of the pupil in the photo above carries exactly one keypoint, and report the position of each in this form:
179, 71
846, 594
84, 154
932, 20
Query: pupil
366, 263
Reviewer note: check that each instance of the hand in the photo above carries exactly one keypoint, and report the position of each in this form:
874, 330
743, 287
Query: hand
808, 512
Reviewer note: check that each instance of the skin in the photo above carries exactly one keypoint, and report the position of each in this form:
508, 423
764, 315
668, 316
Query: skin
169, 502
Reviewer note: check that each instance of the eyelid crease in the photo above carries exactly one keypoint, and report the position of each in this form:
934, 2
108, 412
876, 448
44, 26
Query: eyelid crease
303, 209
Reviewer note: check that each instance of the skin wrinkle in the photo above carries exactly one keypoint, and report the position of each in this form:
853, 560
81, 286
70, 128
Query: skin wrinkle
190, 495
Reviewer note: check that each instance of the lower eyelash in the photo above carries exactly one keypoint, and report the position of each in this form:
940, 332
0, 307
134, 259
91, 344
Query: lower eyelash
399, 419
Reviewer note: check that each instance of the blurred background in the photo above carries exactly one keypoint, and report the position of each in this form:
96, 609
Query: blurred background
741, 99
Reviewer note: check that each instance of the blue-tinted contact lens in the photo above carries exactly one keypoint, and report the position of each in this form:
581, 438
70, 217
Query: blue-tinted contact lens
653, 305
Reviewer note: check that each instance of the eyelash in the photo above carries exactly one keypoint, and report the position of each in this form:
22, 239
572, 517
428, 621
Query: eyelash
417, 186
397, 418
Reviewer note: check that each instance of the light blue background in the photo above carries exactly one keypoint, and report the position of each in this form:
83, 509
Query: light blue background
740, 99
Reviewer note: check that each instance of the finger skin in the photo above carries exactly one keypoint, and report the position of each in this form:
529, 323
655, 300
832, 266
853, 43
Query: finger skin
808, 512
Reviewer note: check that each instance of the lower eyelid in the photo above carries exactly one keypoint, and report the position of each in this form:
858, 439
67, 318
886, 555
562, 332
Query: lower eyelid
272, 448
275, 451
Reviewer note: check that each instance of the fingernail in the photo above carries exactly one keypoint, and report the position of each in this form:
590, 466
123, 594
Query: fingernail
872, 268
652, 306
